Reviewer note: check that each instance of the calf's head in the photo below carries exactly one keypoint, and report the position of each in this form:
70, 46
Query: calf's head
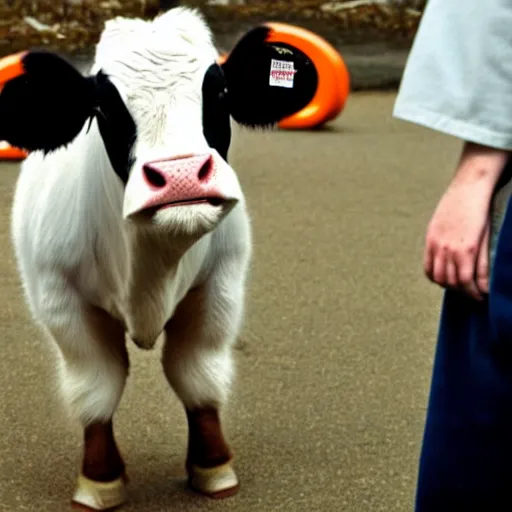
163, 103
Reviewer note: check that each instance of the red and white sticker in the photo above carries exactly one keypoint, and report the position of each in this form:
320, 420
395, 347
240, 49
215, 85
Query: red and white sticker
282, 73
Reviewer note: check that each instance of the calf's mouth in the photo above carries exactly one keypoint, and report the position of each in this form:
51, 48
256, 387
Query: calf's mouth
213, 201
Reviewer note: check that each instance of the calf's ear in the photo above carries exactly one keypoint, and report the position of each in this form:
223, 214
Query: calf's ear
267, 81
44, 100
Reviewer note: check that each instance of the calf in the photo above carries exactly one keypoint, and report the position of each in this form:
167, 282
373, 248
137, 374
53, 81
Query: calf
128, 220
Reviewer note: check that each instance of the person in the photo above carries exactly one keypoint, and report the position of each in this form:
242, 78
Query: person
458, 81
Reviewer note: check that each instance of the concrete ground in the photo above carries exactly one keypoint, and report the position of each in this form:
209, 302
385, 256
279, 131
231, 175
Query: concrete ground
334, 363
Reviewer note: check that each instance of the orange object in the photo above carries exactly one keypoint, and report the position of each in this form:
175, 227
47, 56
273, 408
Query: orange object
333, 76
11, 67
8, 152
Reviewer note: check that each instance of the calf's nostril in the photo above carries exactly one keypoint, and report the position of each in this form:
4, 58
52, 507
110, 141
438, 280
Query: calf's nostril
153, 177
205, 171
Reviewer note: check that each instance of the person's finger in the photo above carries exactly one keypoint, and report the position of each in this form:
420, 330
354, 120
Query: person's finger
428, 260
451, 273
482, 266
466, 267
439, 267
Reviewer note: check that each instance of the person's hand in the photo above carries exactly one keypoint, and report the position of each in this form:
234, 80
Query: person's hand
457, 240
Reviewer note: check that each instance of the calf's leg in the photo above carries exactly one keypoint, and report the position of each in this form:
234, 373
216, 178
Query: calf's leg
198, 364
93, 370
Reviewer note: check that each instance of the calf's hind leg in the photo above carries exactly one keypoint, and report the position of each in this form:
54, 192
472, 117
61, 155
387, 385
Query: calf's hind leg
93, 371
198, 364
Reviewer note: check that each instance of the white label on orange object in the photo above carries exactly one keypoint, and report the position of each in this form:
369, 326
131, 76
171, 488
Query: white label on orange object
282, 73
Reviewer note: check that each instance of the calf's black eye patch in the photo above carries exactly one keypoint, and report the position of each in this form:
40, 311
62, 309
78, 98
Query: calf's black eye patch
216, 116
116, 125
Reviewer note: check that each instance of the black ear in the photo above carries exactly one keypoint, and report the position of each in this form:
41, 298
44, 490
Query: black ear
44, 101
267, 81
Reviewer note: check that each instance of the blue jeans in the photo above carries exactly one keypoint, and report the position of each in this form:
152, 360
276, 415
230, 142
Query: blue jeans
466, 457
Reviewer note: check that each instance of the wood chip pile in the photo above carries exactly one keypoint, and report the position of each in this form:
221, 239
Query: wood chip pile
74, 26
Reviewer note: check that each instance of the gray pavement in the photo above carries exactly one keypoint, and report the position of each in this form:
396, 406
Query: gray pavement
335, 359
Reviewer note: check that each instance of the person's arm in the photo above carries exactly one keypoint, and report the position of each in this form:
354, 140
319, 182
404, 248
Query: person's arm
457, 241
458, 80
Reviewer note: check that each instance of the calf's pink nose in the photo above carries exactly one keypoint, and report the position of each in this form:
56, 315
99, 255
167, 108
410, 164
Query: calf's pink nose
160, 173
180, 180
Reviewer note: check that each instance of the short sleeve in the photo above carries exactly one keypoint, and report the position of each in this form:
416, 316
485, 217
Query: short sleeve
458, 77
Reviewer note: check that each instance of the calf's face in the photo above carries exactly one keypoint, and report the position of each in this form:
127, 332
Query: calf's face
163, 105
176, 173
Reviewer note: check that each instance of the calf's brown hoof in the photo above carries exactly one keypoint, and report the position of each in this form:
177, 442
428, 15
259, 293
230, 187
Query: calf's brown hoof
218, 482
92, 496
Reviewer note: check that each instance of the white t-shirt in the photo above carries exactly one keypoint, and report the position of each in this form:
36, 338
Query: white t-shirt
458, 77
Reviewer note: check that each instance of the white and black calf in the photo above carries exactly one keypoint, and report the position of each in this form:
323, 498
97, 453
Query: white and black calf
128, 220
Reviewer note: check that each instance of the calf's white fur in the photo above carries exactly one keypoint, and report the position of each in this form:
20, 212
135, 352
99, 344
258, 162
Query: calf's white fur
98, 261
78, 256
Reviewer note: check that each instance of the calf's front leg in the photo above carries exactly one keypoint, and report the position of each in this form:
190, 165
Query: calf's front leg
209, 457
93, 371
198, 364
101, 483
